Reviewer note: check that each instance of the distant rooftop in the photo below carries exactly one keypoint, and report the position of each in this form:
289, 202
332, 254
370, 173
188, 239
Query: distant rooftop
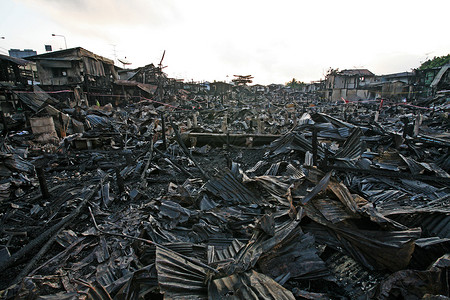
21, 53
72, 52
353, 72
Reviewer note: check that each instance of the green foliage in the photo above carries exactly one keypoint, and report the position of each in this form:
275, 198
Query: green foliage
296, 85
435, 62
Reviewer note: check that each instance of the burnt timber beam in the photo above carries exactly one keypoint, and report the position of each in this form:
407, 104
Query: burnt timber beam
220, 139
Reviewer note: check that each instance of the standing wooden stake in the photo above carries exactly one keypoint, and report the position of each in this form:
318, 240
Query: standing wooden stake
314, 146
163, 125
120, 182
42, 182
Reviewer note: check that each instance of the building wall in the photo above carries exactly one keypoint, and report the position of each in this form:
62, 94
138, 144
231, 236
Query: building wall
49, 75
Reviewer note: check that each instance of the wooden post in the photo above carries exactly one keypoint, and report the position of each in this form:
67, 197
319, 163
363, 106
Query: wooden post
163, 125
417, 124
194, 120
225, 123
42, 182
5, 125
405, 126
260, 125
147, 165
314, 146
120, 182
61, 121
88, 92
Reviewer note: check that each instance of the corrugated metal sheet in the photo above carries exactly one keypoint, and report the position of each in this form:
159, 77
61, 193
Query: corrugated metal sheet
375, 249
296, 257
95, 120
261, 243
148, 253
231, 190
353, 147
31, 101
15, 60
249, 285
17, 163
294, 173
220, 254
257, 166
432, 223
179, 278
273, 169
93, 67
344, 131
428, 250
354, 72
293, 141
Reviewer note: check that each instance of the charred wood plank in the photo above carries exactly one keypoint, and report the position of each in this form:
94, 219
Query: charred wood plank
220, 139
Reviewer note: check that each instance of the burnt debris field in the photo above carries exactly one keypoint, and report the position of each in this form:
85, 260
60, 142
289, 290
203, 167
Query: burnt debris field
155, 192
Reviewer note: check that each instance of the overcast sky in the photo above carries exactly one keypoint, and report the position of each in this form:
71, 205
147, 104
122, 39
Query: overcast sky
274, 41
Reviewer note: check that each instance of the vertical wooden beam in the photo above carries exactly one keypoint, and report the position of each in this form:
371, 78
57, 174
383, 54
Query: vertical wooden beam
120, 182
5, 125
314, 146
163, 125
42, 182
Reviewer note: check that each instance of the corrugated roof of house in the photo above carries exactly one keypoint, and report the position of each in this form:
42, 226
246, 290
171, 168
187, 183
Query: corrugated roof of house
15, 60
353, 72
75, 52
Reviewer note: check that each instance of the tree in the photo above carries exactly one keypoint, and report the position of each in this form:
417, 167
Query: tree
438, 61
296, 85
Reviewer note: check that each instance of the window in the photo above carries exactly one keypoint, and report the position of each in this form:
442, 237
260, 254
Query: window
59, 72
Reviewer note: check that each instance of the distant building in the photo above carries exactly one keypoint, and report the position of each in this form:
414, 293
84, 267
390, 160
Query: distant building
395, 86
21, 53
349, 84
259, 89
219, 87
77, 67
429, 81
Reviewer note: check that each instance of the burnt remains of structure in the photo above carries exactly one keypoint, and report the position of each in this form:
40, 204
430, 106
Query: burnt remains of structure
128, 184
77, 67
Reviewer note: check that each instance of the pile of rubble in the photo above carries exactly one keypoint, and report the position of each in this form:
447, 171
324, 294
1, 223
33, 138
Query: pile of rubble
268, 198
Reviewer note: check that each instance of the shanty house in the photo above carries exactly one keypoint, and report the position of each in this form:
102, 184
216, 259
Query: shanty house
313, 87
220, 87
432, 80
393, 86
76, 67
259, 89
16, 75
349, 84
